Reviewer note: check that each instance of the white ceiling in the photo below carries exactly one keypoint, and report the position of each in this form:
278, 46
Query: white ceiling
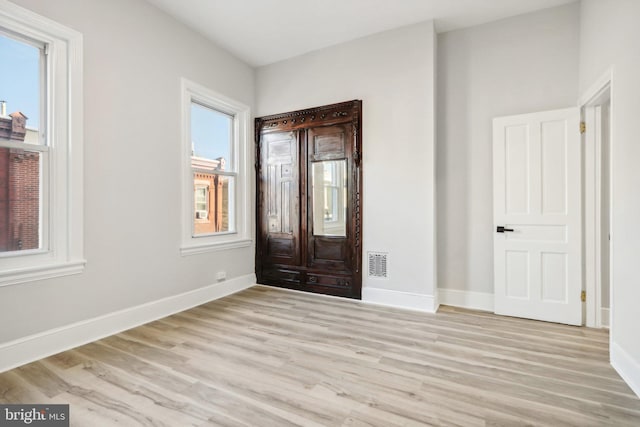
261, 32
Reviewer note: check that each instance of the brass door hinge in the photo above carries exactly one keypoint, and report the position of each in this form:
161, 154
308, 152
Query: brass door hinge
583, 127
583, 296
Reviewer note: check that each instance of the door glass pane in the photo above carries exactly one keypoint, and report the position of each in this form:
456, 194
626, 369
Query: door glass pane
329, 198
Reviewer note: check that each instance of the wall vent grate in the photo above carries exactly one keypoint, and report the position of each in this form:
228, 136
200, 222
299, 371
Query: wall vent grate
378, 264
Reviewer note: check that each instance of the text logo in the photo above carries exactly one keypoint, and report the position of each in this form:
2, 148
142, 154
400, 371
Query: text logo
34, 415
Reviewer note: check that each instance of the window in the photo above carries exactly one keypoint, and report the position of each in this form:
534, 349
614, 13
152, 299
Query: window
216, 193
202, 202
40, 123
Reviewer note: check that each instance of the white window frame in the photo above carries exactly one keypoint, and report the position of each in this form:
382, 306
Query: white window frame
62, 249
241, 236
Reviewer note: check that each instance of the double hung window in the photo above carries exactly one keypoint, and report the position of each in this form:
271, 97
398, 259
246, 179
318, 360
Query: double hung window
40, 147
216, 196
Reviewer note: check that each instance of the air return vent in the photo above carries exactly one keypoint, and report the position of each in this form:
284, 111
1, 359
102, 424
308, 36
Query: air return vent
378, 264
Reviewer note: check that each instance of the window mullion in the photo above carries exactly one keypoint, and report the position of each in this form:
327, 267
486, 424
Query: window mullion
22, 146
214, 172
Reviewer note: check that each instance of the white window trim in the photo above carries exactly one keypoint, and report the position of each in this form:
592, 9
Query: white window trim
241, 237
63, 124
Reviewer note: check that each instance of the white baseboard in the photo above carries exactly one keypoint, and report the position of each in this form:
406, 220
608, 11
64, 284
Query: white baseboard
35, 347
466, 299
626, 366
604, 317
406, 300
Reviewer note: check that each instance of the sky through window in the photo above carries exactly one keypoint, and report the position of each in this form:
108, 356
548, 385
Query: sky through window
20, 78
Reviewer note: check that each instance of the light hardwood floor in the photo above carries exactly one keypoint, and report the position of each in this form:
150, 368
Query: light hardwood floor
270, 357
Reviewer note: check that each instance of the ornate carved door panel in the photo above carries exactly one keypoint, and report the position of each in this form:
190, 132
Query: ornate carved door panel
309, 182
281, 197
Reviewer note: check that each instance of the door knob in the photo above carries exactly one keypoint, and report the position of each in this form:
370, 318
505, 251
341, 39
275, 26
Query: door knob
501, 229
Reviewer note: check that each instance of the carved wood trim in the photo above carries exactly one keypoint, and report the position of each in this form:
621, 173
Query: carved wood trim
327, 114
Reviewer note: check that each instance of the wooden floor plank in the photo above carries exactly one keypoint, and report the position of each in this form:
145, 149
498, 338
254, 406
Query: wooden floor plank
271, 357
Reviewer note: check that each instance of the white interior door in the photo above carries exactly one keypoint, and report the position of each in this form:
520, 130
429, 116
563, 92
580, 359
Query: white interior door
537, 200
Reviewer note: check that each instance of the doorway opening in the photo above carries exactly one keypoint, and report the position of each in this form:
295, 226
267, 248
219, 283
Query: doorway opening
552, 212
596, 116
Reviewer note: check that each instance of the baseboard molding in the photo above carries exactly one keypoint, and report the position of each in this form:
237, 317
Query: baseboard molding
466, 299
35, 347
406, 300
604, 317
626, 366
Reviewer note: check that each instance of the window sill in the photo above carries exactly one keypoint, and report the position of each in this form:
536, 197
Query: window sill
193, 249
30, 274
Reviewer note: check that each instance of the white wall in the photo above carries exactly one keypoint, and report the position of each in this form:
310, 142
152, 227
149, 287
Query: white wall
393, 74
609, 34
517, 65
134, 56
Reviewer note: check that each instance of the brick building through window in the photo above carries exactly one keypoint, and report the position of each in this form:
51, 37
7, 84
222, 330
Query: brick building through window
19, 186
211, 196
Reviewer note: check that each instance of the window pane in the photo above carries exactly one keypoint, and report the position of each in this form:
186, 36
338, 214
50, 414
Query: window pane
201, 199
20, 169
20, 172
211, 133
213, 203
19, 90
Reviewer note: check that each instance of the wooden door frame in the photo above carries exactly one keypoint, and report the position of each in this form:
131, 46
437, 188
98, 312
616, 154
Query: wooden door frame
593, 240
335, 114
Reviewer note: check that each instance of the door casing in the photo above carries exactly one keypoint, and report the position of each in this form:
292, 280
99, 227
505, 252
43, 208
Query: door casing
599, 94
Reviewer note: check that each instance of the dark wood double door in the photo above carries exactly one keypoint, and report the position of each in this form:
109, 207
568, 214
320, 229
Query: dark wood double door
309, 182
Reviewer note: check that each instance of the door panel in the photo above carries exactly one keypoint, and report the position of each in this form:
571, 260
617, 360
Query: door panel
554, 167
517, 274
537, 199
280, 197
554, 277
328, 149
329, 142
329, 249
329, 281
309, 184
516, 162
